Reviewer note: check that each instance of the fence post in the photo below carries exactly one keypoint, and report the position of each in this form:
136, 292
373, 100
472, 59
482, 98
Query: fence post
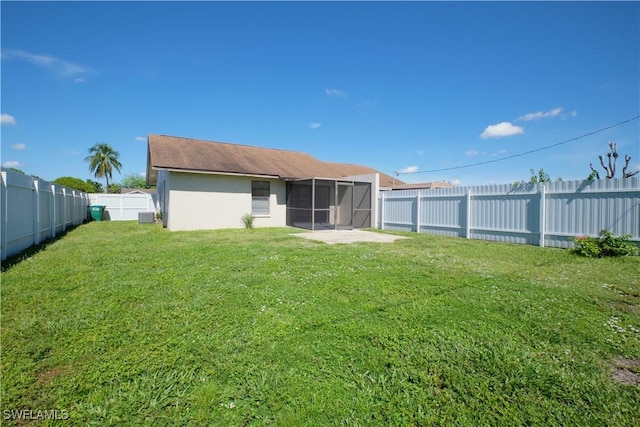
53, 211
64, 208
5, 215
468, 224
382, 210
74, 216
418, 212
542, 213
86, 201
36, 207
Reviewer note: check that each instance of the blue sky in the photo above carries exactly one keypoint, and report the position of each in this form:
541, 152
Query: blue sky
415, 86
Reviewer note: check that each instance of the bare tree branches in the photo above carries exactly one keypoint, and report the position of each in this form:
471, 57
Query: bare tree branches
626, 174
610, 167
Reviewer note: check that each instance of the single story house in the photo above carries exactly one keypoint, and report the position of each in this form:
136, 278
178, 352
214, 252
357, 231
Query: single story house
210, 185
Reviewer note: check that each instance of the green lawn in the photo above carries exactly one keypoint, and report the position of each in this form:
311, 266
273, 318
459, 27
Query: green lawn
126, 323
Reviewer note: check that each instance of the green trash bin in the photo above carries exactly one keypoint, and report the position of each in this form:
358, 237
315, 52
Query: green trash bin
96, 212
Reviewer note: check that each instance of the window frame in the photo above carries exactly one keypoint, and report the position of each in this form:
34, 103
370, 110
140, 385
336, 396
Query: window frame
261, 193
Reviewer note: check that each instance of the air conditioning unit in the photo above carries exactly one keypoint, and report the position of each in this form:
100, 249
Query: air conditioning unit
146, 217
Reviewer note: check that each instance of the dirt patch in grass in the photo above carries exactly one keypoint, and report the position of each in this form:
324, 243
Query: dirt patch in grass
626, 371
47, 376
629, 300
626, 306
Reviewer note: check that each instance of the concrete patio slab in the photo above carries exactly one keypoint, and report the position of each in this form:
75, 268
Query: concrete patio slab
332, 237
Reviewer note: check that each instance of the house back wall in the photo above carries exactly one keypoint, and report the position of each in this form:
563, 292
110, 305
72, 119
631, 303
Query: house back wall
205, 202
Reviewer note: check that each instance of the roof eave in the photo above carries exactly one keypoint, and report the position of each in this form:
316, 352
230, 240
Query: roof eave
208, 172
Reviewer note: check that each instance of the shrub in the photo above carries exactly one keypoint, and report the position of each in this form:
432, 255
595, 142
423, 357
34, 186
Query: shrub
75, 183
607, 245
247, 220
616, 246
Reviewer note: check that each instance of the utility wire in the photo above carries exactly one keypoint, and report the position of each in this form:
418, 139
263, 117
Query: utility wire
396, 173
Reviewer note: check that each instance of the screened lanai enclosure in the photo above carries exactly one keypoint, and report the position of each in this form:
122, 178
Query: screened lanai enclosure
328, 204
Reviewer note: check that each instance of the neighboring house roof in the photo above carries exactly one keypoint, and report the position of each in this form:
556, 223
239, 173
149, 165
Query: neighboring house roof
423, 185
125, 190
192, 155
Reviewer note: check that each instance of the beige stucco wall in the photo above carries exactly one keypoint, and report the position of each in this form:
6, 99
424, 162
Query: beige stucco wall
373, 178
206, 201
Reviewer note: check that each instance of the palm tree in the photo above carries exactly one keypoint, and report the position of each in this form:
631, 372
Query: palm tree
102, 161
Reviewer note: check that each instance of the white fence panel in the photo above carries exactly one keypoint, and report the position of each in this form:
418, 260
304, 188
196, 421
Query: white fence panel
124, 207
33, 210
58, 210
44, 211
546, 215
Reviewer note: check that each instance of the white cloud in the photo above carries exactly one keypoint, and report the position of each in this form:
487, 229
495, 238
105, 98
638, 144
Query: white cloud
314, 125
499, 153
59, 66
367, 104
12, 164
19, 147
334, 92
539, 115
408, 169
456, 182
7, 119
500, 130
471, 152
140, 138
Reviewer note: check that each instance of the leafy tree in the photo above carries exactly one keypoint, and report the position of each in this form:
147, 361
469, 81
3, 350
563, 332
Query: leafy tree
540, 177
114, 188
75, 183
102, 161
97, 187
537, 178
610, 167
134, 181
593, 175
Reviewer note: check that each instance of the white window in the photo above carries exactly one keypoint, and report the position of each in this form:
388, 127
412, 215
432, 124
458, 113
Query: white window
260, 192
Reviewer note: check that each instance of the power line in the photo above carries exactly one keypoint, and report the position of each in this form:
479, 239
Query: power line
524, 153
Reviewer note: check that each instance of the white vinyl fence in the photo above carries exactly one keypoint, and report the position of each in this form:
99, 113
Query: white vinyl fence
536, 214
33, 210
124, 207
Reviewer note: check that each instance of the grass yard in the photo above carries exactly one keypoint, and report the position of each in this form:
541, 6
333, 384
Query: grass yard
126, 323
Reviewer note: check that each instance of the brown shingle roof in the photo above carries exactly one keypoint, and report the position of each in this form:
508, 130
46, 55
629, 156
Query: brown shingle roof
175, 153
